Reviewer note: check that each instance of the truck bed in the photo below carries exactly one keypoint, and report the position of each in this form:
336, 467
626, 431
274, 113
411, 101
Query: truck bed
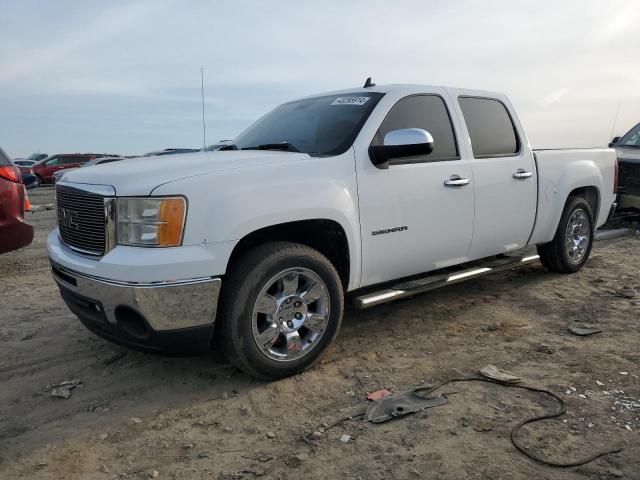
562, 171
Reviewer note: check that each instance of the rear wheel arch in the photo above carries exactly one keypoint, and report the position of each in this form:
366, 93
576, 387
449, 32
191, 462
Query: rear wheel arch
591, 194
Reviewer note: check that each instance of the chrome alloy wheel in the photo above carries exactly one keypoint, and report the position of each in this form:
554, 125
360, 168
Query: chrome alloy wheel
577, 235
290, 314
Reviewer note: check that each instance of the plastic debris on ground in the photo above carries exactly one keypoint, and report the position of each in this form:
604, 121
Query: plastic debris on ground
583, 330
494, 373
400, 404
379, 394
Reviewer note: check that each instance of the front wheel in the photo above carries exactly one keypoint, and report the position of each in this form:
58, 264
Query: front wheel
571, 245
282, 306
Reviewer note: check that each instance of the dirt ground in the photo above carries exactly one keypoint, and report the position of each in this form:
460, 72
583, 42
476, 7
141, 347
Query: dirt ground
142, 416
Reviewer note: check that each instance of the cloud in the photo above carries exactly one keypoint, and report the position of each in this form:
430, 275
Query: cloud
124, 69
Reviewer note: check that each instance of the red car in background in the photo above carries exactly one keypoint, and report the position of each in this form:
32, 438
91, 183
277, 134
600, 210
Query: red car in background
45, 169
14, 232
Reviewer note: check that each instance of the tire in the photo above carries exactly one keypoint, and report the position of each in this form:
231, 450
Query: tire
295, 329
557, 255
39, 181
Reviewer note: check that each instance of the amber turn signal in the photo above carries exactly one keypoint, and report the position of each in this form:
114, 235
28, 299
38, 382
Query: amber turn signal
171, 217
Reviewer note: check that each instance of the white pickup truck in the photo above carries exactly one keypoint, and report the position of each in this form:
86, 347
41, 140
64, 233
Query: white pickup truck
374, 193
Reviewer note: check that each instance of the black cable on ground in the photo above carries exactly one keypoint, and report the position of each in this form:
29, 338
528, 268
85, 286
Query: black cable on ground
514, 431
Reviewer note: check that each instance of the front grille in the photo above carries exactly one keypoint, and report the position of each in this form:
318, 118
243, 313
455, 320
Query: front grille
81, 220
629, 180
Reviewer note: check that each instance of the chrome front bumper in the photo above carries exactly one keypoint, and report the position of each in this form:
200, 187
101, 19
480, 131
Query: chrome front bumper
164, 306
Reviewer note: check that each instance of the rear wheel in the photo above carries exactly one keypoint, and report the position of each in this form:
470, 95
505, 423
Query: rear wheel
282, 306
571, 245
38, 181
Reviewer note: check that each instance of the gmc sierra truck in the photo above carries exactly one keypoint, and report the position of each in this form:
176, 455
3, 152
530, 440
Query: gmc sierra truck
373, 194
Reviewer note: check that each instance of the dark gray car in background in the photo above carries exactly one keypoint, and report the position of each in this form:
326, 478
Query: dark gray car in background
628, 150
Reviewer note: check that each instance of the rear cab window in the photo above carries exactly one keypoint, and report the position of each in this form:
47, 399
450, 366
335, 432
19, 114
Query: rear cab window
490, 127
428, 112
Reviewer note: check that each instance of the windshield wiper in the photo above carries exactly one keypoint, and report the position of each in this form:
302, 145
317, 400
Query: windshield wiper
286, 146
230, 146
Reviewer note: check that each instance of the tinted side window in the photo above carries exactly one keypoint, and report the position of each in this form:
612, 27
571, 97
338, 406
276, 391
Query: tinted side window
490, 127
70, 160
53, 161
428, 112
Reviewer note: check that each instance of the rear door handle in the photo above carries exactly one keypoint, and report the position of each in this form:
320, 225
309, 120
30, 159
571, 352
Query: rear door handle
456, 181
522, 174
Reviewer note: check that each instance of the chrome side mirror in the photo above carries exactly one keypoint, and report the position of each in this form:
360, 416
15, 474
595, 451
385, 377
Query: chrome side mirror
407, 142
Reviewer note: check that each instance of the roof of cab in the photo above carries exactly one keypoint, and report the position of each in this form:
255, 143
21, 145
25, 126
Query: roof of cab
407, 89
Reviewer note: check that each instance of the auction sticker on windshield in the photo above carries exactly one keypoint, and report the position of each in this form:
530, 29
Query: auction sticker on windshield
350, 101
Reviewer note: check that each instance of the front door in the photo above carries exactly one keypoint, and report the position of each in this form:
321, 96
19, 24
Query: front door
417, 215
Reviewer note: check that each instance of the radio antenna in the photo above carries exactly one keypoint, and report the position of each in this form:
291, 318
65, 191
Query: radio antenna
204, 125
615, 120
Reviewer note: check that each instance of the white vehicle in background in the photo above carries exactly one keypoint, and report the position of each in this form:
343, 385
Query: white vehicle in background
375, 193
57, 176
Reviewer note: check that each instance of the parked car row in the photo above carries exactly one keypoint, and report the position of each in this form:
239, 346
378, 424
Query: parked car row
18, 175
57, 175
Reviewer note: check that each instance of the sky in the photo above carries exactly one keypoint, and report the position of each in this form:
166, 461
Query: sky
124, 77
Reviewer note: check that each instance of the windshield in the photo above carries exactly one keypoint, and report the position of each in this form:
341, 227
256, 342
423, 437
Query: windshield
631, 139
319, 126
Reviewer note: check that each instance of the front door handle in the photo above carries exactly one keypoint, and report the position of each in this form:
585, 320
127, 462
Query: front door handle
456, 181
522, 174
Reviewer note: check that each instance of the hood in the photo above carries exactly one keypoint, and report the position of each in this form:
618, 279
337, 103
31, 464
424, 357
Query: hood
139, 176
628, 155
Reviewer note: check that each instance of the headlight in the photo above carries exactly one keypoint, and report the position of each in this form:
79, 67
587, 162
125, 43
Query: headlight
151, 222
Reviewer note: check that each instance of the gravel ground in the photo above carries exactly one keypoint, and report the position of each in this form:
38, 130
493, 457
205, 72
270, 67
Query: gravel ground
138, 416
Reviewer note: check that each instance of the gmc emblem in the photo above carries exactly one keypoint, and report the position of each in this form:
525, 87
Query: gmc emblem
68, 218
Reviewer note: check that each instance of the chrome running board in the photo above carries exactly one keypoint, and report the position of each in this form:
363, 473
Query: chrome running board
435, 280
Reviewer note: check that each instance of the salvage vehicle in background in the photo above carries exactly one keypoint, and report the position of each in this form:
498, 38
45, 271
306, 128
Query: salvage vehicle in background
14, 231
23, 163
29, 179
378, 193
628, 151
96, 161
45, 169
31, 159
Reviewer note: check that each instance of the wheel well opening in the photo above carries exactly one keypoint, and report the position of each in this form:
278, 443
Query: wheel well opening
326, 236
591, 196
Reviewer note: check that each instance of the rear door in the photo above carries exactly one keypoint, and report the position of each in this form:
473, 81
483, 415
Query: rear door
504, 176
413, 219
